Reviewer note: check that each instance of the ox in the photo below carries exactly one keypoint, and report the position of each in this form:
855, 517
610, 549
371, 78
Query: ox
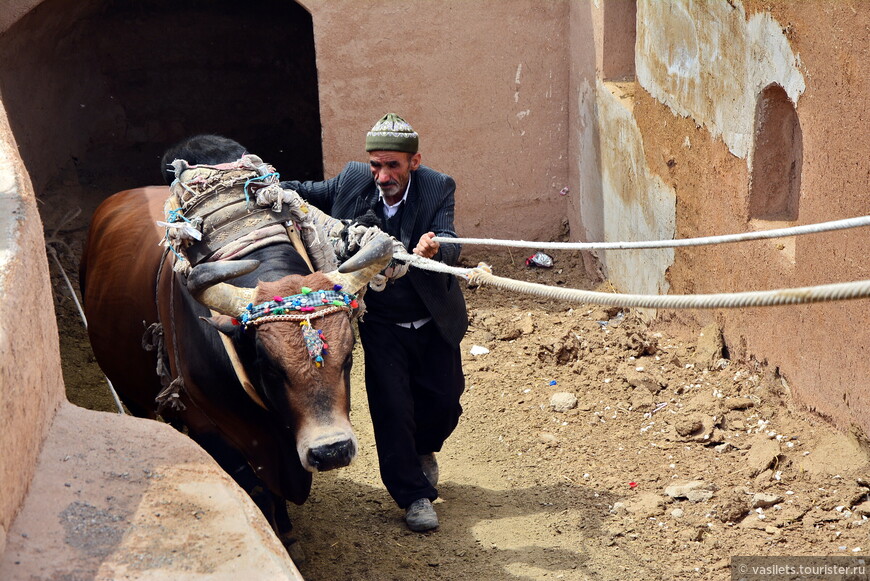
300, 423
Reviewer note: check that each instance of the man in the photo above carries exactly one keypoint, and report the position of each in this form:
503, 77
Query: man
411, 330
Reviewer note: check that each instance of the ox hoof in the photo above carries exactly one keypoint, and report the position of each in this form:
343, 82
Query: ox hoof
293, 548
420, 516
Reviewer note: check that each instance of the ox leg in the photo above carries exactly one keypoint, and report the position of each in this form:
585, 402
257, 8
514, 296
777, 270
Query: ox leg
275, 510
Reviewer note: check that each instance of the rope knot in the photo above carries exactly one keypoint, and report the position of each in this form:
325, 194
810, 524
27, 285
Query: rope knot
474, 275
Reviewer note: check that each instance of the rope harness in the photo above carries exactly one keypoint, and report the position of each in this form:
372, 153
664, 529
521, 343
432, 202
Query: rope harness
211, 206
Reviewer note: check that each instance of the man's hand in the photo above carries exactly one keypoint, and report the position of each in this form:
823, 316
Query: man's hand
426, 247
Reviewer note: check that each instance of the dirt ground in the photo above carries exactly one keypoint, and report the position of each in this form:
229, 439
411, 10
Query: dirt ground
593, 446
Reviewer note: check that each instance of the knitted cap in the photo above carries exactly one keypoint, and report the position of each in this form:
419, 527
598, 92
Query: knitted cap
392, 133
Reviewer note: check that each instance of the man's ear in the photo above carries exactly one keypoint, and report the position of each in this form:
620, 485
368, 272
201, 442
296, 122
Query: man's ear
415, 160
223, 323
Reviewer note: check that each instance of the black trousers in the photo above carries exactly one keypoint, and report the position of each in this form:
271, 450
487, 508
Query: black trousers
413, 383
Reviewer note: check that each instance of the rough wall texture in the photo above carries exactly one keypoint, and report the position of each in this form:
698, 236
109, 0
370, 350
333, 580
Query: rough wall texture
638, 205
697, 123
484, 82
31, 386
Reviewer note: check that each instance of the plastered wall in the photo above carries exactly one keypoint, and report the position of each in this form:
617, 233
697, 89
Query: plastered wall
31, 386
700, 70
484, 82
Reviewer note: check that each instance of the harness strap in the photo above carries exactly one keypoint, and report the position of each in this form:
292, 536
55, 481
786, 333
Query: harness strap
221, 228
170, 395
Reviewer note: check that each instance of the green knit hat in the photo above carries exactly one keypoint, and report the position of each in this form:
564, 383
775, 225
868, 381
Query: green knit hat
392, 133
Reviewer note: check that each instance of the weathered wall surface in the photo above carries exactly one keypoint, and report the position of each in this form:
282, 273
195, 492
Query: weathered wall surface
638, 205
484, 82
701, 68
31, 386
619, 198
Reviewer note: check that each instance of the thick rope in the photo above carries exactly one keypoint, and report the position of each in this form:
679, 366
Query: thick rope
433, 265
794, 296
725, 238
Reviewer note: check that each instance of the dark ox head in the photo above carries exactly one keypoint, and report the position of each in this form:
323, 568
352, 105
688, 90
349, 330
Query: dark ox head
313, 402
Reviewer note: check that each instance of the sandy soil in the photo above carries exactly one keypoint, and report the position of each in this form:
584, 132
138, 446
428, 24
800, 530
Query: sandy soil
662, 461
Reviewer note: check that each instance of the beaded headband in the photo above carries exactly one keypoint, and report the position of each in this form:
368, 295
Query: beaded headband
301, 307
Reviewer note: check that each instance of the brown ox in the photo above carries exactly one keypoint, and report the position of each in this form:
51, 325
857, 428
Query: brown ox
300, 423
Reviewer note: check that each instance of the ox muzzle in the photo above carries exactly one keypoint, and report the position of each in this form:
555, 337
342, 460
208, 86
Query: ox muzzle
327, 451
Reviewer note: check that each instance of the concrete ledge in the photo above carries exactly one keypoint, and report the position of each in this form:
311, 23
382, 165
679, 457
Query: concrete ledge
117, 497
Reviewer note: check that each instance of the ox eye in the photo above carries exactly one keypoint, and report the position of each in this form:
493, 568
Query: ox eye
271, 375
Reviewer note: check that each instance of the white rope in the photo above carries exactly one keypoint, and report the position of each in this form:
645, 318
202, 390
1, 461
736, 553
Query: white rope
53, 253
725, 238
793, 296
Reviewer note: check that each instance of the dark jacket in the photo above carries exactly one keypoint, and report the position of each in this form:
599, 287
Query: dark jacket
429, 208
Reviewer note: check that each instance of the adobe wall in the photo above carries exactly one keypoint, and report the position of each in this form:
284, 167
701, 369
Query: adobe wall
484, 82
695, 112
31, 386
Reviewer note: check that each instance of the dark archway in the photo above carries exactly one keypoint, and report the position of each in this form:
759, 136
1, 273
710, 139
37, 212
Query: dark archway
777, 161
95, 90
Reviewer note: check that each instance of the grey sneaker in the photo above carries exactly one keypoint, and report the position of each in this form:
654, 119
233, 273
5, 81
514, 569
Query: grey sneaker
430, 467
420, 516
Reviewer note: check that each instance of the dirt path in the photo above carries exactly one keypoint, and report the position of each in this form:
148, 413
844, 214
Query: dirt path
529, 492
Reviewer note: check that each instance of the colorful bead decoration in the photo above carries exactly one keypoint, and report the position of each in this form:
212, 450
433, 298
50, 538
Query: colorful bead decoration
308, 301
314, 342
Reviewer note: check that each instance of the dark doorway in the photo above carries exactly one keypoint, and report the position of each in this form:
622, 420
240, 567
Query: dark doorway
96, 90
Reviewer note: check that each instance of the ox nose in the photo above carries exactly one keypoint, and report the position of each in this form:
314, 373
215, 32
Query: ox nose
330, 456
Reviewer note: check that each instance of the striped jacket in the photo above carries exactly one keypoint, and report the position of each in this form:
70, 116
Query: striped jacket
430, 203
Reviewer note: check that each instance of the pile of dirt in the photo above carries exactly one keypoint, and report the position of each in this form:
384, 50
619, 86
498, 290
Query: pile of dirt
593, 446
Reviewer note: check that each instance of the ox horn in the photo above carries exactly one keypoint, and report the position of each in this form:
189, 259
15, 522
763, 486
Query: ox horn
205, 283
359, 270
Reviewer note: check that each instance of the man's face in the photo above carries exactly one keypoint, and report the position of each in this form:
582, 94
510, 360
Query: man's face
392, 170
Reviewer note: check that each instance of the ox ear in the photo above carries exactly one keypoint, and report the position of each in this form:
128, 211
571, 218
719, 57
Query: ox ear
359, 270
223, 323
